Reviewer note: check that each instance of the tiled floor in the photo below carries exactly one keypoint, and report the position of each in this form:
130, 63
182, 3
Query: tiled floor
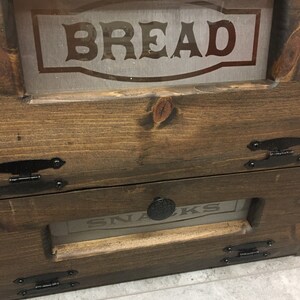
276, 279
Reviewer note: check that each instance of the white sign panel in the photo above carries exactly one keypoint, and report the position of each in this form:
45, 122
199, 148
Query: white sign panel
91, 45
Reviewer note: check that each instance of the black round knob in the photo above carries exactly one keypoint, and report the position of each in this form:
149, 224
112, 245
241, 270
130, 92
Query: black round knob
161, 209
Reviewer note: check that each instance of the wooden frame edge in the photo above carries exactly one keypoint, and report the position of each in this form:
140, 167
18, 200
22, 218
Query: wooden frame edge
284, 54
11, 77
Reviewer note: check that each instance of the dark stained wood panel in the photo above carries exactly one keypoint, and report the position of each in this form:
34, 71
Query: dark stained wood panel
10, 68
117, 142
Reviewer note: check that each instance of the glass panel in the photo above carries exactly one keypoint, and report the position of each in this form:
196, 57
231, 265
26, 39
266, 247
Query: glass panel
89, 45
138, 222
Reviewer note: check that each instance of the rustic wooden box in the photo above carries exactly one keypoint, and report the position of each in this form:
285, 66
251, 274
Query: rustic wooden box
115, 152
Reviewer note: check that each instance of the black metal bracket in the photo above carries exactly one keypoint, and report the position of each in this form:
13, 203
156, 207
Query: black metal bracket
278, 155
248, 252
42, 283
245, 258
249, 246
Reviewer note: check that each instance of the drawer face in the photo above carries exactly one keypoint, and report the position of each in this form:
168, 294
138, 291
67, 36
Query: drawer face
272, 224
103, 269
269, 186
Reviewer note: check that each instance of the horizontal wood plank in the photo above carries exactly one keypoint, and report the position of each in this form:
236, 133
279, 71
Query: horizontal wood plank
109, 143
272, 186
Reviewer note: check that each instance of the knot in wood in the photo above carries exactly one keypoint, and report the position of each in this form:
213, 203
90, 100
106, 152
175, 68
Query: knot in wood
162, 110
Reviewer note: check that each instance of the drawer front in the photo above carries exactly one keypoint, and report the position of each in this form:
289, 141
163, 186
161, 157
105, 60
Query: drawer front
34, 264
270, 221
277, 192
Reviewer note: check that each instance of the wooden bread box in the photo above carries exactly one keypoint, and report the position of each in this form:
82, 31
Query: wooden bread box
145, 138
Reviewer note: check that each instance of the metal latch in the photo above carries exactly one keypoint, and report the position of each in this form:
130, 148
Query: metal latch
42, 283
278, 154
248, 252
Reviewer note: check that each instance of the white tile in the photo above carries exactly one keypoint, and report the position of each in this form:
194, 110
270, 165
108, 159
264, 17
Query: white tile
278, 285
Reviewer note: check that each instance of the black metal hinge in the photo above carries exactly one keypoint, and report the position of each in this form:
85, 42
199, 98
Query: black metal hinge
26, 169
278, 154
26, 175
248, 252
46, 282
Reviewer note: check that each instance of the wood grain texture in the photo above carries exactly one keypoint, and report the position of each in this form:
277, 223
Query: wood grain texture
287, 64
7, 83
146, 240
155, 94
109, 143
285, 41
11, 82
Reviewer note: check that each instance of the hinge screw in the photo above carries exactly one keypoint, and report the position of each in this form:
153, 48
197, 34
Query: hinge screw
56, 163
255, 144
251, 164
270, 243
59, 184
20, 280
24, 293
